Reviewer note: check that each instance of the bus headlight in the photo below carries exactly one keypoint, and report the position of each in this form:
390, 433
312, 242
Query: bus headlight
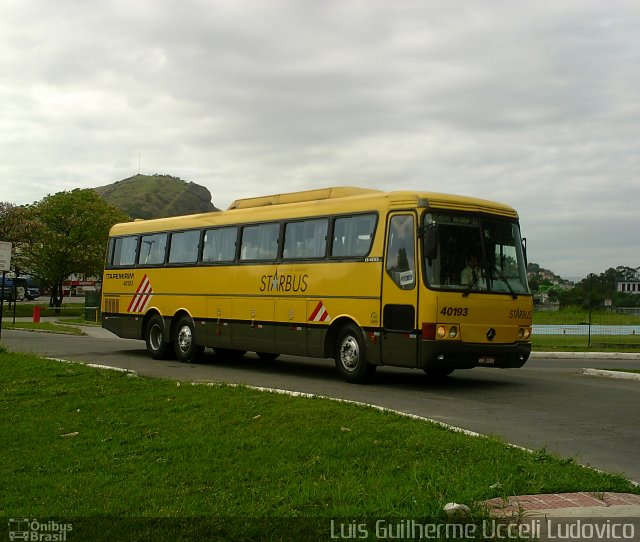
432, 332
448, 331
524, 333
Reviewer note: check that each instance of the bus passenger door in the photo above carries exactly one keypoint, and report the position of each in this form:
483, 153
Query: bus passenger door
399, 340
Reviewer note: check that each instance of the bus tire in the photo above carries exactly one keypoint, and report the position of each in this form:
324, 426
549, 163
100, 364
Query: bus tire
350, 356
184, 340
157, 347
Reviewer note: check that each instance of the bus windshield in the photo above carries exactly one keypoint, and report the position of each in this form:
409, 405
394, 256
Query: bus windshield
474, 254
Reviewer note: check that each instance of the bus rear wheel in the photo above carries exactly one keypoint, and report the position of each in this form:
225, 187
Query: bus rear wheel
350, 356
157, 347
184, 340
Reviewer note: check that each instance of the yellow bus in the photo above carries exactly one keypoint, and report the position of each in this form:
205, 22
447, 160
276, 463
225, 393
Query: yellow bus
411, 279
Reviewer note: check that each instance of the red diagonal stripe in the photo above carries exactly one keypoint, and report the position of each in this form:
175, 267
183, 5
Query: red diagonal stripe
316, 311
323, 315
146, 291
135, 296
147, 298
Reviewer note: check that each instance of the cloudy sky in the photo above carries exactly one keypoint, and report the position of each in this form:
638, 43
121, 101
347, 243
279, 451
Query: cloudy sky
534, 104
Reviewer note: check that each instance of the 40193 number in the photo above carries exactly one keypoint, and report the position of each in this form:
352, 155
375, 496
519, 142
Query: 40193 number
454, 311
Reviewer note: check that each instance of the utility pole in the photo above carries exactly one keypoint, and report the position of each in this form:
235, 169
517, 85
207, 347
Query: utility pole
590, 291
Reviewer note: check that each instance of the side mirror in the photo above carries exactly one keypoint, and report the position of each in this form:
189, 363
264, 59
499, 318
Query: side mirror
431, 242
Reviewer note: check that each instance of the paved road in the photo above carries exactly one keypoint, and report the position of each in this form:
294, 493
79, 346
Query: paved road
547, 403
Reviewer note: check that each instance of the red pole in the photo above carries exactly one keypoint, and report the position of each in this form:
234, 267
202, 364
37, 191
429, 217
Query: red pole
36, 314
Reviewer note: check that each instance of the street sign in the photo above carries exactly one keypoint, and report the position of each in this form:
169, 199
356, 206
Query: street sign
5, 256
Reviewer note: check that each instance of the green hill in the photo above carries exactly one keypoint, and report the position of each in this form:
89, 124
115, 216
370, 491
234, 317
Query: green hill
157, 196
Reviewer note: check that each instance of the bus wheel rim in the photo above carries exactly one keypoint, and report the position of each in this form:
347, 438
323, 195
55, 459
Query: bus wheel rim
350, 353
155, 337
185, 338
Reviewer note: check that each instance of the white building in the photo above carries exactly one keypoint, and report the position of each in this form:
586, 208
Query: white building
629, 286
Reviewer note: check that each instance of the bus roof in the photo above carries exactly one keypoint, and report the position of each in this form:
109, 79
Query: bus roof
333, 200
299, 197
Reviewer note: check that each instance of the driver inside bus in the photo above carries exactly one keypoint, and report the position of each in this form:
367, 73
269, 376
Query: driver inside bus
472, 273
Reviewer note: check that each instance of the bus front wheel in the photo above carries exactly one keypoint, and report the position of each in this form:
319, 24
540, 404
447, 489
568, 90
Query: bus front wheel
184, 340
157, 347
350, 356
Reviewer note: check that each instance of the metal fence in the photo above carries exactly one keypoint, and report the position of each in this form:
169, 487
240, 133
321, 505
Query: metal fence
92, 306
586, 314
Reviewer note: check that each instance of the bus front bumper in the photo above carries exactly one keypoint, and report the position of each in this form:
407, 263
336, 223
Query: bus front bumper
446, 355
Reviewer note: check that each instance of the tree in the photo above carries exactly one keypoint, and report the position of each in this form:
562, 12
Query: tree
14, 225
595, 289
67, 235
13, 222
628, 273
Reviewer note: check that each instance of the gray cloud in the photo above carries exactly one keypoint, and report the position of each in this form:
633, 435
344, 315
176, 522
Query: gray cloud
533, 104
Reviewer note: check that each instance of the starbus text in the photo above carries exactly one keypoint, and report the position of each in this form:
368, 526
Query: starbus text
283, 283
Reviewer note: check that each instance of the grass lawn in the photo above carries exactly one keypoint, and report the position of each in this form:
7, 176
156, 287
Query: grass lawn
82, 442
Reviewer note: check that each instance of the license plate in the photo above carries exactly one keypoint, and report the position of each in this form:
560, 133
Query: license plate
486, 361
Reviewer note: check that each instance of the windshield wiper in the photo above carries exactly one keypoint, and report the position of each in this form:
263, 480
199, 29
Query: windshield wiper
474, 278
503, 279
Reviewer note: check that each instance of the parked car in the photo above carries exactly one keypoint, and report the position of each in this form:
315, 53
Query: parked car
33, 292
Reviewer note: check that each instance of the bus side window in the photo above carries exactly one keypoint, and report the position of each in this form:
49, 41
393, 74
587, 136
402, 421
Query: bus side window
152, 249
400, 251
249, 246
260, 242
110, 247
352, 236
220, 245
124, 251
306, 239
184, 247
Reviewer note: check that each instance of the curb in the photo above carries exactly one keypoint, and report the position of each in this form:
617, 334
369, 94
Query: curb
611, 374
612, 356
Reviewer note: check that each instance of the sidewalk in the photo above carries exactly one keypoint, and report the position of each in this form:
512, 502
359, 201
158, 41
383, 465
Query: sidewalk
566, 516
582, 504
